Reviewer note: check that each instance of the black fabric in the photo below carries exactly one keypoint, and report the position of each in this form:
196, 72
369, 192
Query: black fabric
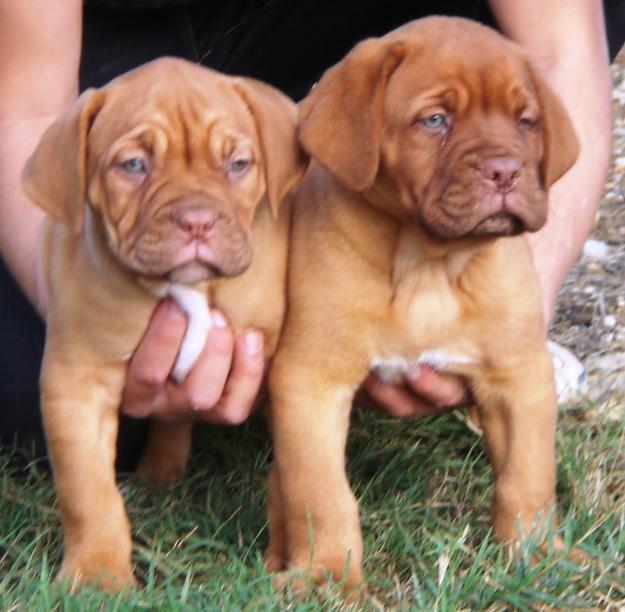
288, 44
284, 42
615, 25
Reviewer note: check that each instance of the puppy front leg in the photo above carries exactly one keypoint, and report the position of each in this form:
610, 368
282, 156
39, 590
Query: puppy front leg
518, 413
309, 422
80, 410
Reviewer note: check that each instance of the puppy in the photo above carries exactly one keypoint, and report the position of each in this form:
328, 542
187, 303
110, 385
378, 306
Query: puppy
163, 182
435, 147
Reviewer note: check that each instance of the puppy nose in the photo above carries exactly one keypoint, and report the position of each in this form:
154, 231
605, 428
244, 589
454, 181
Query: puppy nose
503, 171
196, 222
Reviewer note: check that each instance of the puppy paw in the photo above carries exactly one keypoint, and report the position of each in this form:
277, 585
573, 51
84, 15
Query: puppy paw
303, 582
576, 554
543, 549
112, 577
274, 560
331, 574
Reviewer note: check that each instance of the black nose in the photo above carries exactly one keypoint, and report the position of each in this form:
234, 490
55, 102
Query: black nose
504, 172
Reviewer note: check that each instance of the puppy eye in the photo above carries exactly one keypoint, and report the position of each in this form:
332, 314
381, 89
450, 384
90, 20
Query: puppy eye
238, 166
436, 121
526, 122
134, 165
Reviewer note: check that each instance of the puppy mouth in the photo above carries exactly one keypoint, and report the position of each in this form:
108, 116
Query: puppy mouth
500, 224
192, 272
192, 263
198, 262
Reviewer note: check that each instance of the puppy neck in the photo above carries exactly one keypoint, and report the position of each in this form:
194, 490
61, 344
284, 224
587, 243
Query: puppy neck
416, 249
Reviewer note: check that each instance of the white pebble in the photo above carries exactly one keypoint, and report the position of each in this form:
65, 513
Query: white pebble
596, 249
609, 320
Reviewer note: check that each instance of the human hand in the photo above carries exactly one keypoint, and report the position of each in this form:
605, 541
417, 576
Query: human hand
222, 386
425, 392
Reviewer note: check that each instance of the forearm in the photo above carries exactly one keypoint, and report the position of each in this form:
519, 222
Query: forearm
40, 47
20, 220
566, 40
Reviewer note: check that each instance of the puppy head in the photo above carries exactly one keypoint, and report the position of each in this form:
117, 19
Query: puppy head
173, 160
445, 122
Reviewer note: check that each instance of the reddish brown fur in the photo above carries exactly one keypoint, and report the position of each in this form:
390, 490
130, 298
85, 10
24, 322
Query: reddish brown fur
102, 261
398, 247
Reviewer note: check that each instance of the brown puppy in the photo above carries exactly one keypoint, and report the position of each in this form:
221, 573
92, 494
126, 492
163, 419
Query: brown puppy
163, 182
435, 148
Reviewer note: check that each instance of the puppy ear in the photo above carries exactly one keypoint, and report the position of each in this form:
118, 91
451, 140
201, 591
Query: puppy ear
54, 176
341, 120
560, 143
275, 116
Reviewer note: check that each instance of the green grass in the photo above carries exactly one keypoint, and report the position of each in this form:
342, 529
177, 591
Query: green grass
424, 488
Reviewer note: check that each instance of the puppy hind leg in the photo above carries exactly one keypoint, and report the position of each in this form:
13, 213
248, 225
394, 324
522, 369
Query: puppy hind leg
166, 452
276, 553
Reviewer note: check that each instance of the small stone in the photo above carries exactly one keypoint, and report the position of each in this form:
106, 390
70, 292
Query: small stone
596, 249
609, 321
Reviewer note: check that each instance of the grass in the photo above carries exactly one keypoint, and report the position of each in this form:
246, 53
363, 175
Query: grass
424, 488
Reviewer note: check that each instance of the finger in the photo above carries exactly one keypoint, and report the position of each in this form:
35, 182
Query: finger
441, 390
244, 382
397, 400
206, 382
153, 358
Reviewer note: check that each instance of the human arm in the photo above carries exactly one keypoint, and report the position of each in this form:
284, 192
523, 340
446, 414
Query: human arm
38, 82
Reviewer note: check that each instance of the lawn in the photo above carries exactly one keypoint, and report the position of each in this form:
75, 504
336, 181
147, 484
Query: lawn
424, 488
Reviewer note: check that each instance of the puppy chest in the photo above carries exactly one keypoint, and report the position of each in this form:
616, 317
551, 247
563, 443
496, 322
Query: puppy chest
429, 330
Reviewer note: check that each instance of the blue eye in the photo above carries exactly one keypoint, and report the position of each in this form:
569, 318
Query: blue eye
239, 165
134, 165
526, 122
434, 122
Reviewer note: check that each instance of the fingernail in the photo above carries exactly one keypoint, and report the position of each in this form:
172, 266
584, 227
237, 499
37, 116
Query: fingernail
414, 371
253, 342
218, 319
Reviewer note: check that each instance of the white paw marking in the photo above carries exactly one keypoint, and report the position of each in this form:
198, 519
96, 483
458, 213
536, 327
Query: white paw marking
393, 369
441, 361
199, 323
390, 369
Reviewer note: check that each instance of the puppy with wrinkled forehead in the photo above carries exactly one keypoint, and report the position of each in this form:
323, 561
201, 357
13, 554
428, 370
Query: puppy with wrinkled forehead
434, 148
167, 181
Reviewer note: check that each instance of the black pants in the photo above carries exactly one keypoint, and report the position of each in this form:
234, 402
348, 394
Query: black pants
288, 43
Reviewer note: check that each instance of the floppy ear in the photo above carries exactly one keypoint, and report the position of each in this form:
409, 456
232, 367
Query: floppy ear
275, 116
341, 120
54, 176
560, 143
